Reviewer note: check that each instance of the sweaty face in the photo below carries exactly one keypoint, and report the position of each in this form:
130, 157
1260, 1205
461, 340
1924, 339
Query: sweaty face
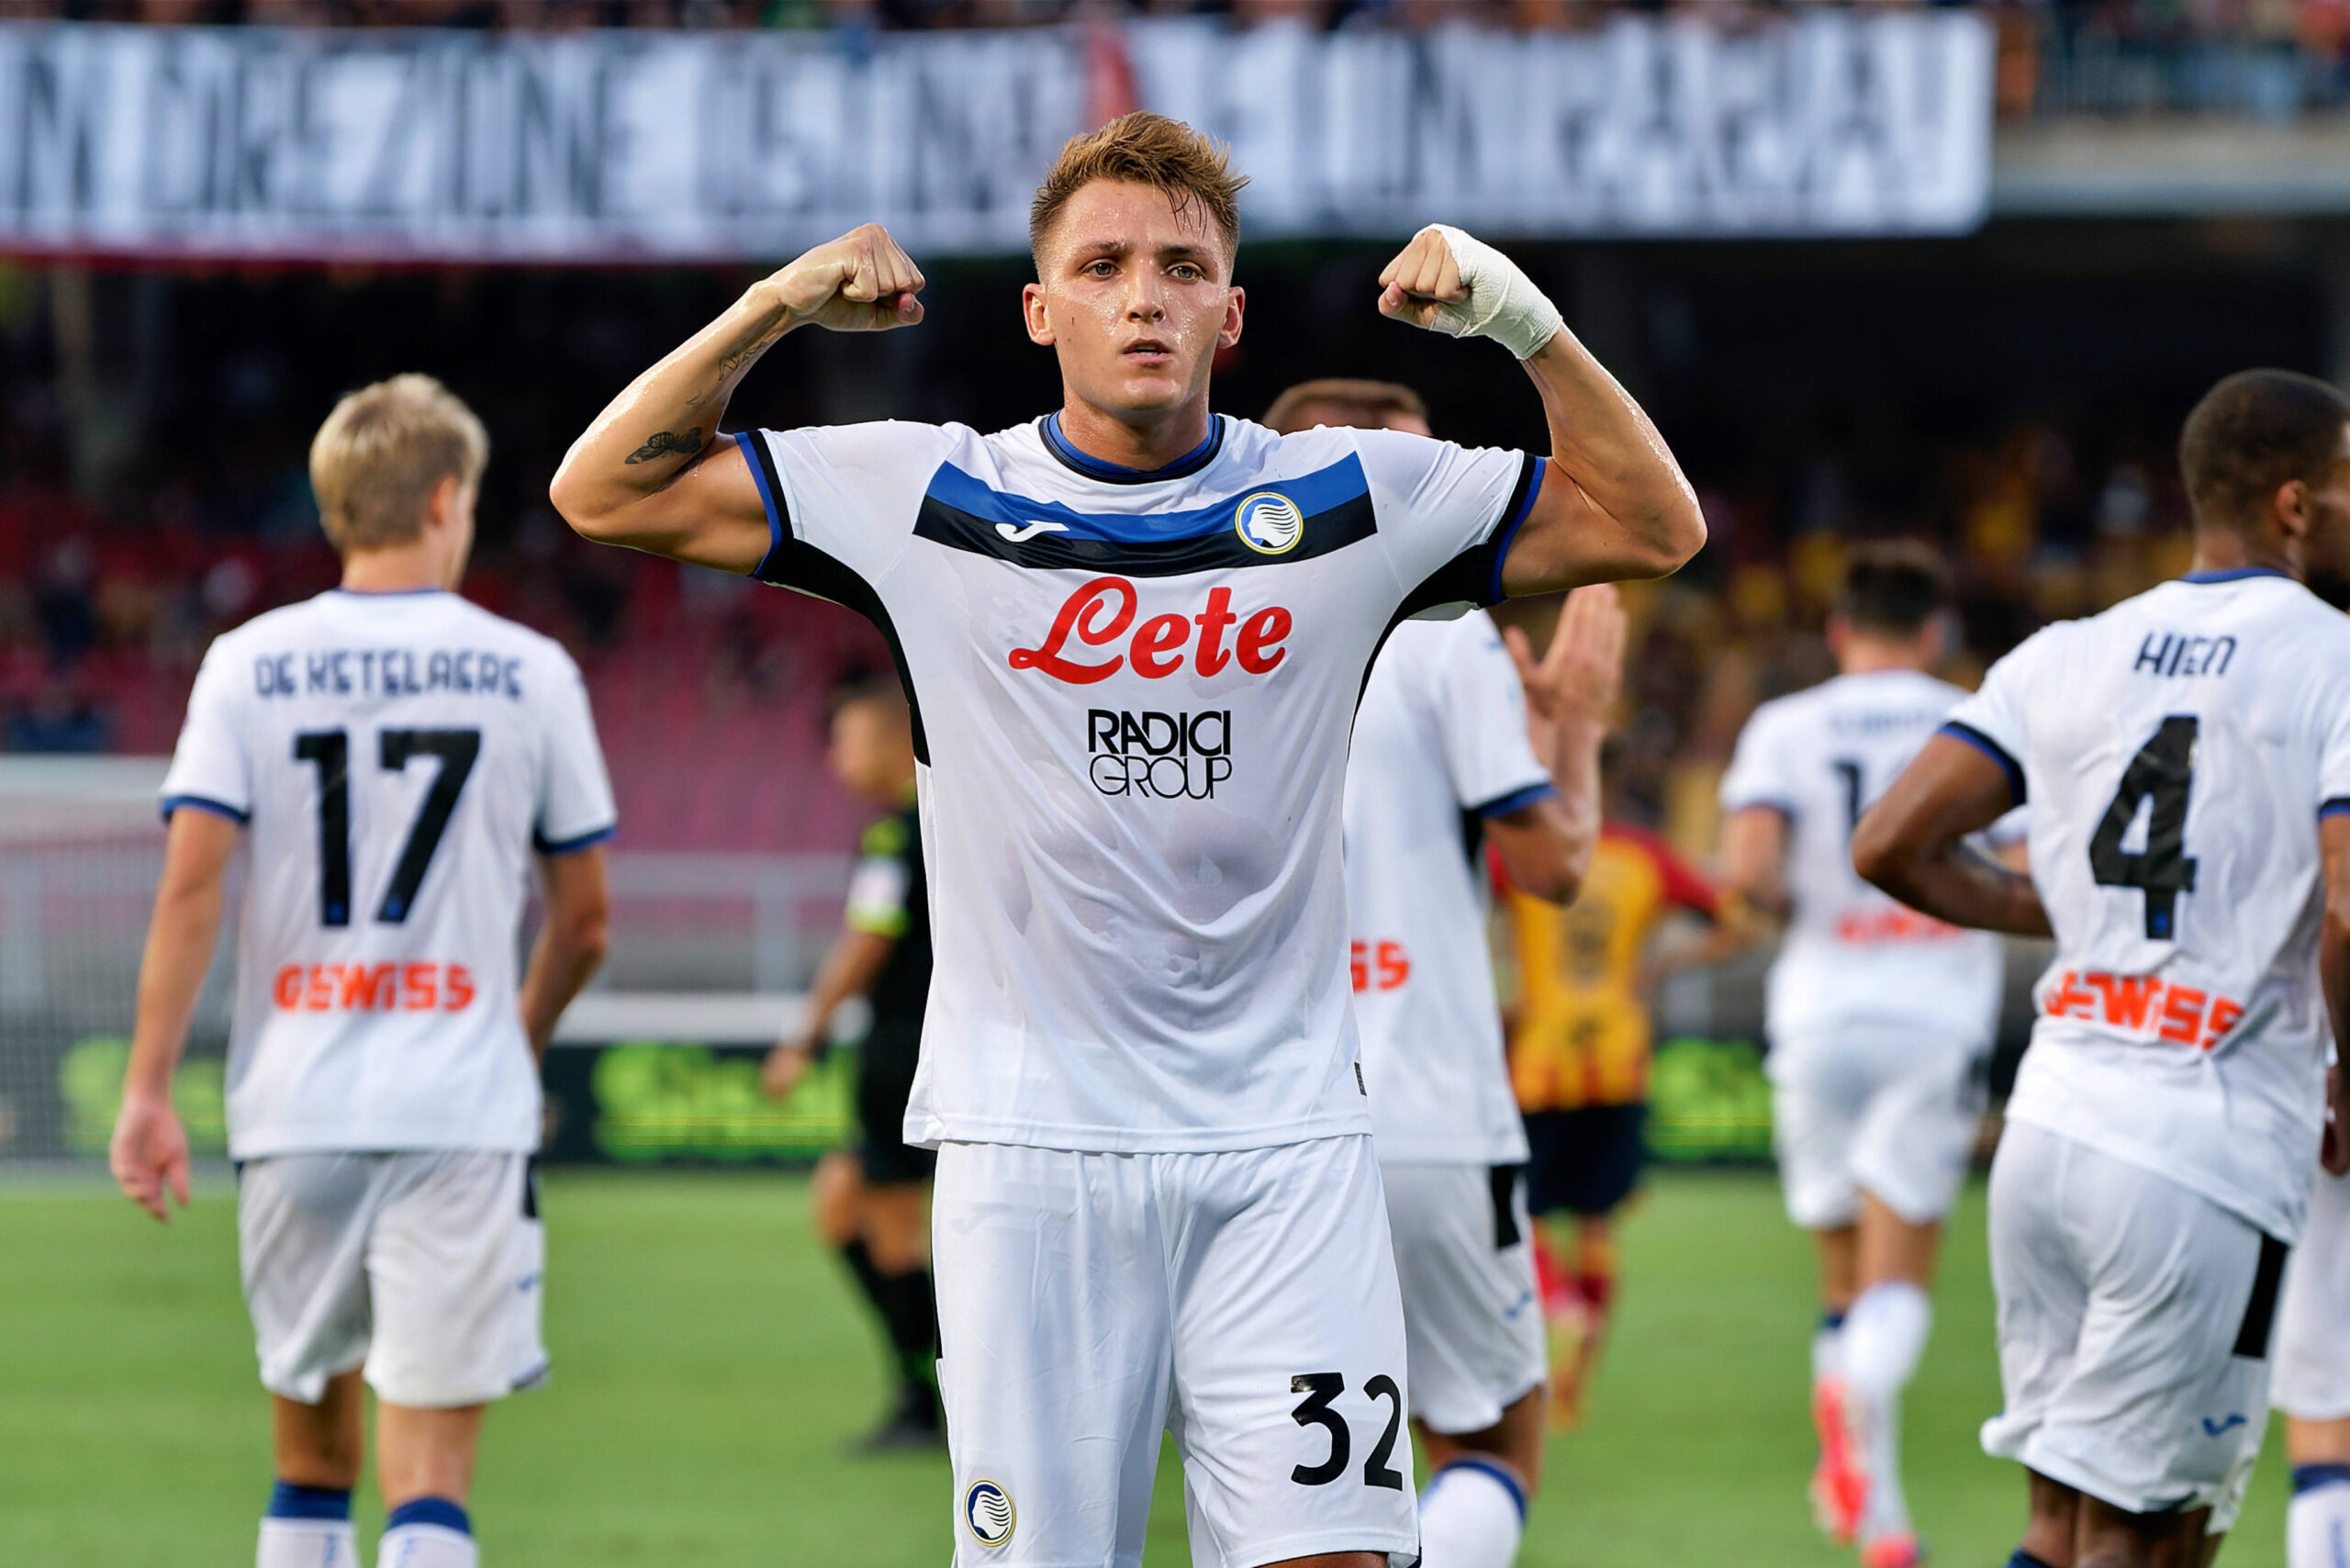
1135, 298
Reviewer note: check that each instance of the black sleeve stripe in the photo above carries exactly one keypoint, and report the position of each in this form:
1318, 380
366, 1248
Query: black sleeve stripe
1995, 750
770, 483
2335, 807
205, 803
1474, 576
1513, 518
574, 844
1515, 800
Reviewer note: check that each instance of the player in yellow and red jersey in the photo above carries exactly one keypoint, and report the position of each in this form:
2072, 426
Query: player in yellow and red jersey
1579, 1060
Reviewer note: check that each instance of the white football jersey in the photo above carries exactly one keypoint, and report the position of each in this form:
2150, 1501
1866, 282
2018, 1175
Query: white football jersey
2174, 754
1851, 957
1439, 745
1132, 692
395, 759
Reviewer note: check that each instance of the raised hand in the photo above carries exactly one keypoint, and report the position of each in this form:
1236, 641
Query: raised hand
1583, 669
1422, 279
859, 283
149, 1155
1449, 280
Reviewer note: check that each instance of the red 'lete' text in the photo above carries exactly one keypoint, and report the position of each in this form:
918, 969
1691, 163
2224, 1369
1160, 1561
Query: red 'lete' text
1099, 613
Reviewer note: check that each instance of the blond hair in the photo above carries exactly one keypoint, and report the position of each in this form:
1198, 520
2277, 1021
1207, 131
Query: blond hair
1143, 149
377, 457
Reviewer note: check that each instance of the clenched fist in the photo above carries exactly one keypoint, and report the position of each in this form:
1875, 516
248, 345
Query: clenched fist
1452, 282
859, 283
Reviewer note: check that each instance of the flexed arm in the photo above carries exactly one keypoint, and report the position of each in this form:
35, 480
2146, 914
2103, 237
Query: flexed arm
651, 472
1615, 504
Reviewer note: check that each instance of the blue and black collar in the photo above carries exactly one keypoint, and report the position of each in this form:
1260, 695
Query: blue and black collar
2234, 575
1191, 463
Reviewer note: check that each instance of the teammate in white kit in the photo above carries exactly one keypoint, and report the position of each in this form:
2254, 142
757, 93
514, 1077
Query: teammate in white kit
388, 761
2185, 758
1134, 635
1880, 1020
2312, 1374
1443, 764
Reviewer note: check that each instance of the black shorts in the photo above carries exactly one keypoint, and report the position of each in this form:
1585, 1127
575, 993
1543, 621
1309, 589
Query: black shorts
1583, 1161
885, 1077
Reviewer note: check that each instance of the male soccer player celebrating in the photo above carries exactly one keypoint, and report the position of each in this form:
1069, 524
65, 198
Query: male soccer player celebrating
871, 1201
2185, 758
389, 759
1442, 741
1134, 633
1880, 1021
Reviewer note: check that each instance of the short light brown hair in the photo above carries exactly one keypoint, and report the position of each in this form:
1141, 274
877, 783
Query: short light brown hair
1373, 401
2251, 435
375, 460
1143, 149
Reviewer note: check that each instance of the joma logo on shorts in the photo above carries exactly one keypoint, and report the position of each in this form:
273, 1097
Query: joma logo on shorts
1104, 611
1158, 755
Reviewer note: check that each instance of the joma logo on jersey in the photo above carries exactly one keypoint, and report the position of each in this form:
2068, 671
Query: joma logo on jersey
1173, 756
1106, 609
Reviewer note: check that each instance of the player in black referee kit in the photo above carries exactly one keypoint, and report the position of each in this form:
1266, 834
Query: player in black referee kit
872, 1201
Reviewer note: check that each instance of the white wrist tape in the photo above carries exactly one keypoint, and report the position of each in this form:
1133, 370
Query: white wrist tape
1502, 303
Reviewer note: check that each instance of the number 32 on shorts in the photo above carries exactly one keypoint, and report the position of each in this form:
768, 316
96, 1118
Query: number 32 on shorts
1314, 1410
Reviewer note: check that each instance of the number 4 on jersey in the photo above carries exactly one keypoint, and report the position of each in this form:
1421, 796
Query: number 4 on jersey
2162, 772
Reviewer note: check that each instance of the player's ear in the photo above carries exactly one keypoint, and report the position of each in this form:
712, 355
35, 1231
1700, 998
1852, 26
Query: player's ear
1840, 633
1229, 333
1032, 309
2291, 507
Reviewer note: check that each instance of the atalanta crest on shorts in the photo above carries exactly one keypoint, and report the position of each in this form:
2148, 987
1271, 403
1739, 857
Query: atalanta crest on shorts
1269, 522
986, 1509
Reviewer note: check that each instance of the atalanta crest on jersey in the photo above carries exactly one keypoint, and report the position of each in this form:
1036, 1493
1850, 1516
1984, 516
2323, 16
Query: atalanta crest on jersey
987, 1508
1269, 522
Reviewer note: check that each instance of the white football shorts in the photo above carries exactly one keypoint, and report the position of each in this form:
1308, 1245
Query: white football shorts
1472, 1320
1244, 1302
1876, 1111
2133, 1321
2312, 1374
422, 1266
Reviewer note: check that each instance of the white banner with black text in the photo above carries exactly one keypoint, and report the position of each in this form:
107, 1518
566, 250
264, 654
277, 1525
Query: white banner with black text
609, 147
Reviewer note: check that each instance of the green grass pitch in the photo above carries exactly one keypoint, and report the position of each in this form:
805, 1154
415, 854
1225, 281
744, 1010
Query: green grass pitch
710, 1362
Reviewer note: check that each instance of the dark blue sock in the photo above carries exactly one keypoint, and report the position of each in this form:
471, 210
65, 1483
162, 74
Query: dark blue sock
2310, 1478
1832, 1321
430, 1511
2023, 1559
287, 1501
